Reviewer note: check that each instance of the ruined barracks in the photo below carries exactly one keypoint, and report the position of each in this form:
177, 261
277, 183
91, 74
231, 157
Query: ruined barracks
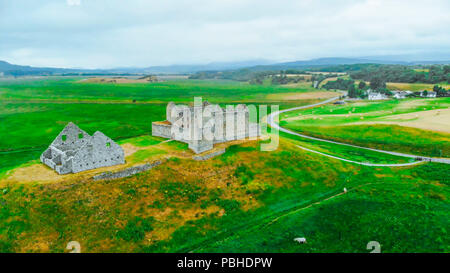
240, 127
74, 150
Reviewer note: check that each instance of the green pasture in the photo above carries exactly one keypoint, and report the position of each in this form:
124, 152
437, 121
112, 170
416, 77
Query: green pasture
345, 152
73, 89
382, 205
339, 122
405, 209
260, 200
26, 129
394, 212
370, 109
34, 110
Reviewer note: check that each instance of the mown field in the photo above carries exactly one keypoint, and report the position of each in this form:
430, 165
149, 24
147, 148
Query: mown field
246, 200
361, 123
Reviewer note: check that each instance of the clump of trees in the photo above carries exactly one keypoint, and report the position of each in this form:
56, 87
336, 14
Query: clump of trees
357, 91
440, 91
318, 78
401, 73
253, 77
378, 83
349, 85
284, 79
354, 92
339, 84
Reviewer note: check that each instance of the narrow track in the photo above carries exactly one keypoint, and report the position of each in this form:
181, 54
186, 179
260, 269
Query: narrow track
273, 124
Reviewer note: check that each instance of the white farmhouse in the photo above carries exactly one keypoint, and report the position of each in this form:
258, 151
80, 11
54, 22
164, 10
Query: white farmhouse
428, 94
401, 94
372, 95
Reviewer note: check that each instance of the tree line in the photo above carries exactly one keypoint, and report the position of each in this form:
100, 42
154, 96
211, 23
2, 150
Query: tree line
406, 74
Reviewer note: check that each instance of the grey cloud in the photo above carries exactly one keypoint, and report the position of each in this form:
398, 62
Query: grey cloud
110, 33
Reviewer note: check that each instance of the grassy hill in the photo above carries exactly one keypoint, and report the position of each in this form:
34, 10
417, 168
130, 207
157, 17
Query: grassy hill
245, 200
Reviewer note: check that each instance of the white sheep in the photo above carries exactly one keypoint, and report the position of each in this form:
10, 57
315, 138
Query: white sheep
300, 240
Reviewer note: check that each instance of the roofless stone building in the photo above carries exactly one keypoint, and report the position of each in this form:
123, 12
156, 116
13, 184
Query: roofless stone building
74, 150
193, 125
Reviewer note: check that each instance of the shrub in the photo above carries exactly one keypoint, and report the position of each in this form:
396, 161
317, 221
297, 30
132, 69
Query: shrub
244, 173
228, 204
5, 247
135, 229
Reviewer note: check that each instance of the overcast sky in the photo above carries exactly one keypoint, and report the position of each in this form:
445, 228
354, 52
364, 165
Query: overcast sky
119, 33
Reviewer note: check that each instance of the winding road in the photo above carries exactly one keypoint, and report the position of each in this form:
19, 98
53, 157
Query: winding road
419, 158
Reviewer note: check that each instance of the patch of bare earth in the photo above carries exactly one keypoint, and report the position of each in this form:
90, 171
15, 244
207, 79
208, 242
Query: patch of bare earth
129, 149
433, 120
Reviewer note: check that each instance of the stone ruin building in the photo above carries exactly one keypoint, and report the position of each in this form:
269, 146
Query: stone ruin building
74, 150
228, 125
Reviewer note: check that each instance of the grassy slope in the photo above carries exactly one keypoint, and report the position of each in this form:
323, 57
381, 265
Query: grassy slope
350, 153
229, 203
224, 204
395, 213
389, 137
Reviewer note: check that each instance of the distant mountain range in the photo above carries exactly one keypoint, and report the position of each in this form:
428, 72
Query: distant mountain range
322, 62
18, 70
13, 69
256, 65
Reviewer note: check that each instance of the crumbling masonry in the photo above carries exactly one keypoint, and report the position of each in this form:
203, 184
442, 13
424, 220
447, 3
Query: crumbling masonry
224, 124
74, 150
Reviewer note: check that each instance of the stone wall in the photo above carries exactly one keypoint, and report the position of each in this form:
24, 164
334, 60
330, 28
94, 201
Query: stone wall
161, 130
127, 172
215, 121
210, 155
102, 151
200, 146
74, 150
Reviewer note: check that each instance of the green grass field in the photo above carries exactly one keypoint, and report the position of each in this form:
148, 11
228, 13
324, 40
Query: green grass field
34, 111
252, 207
245, 200
73, 89
342, 123
350, 153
